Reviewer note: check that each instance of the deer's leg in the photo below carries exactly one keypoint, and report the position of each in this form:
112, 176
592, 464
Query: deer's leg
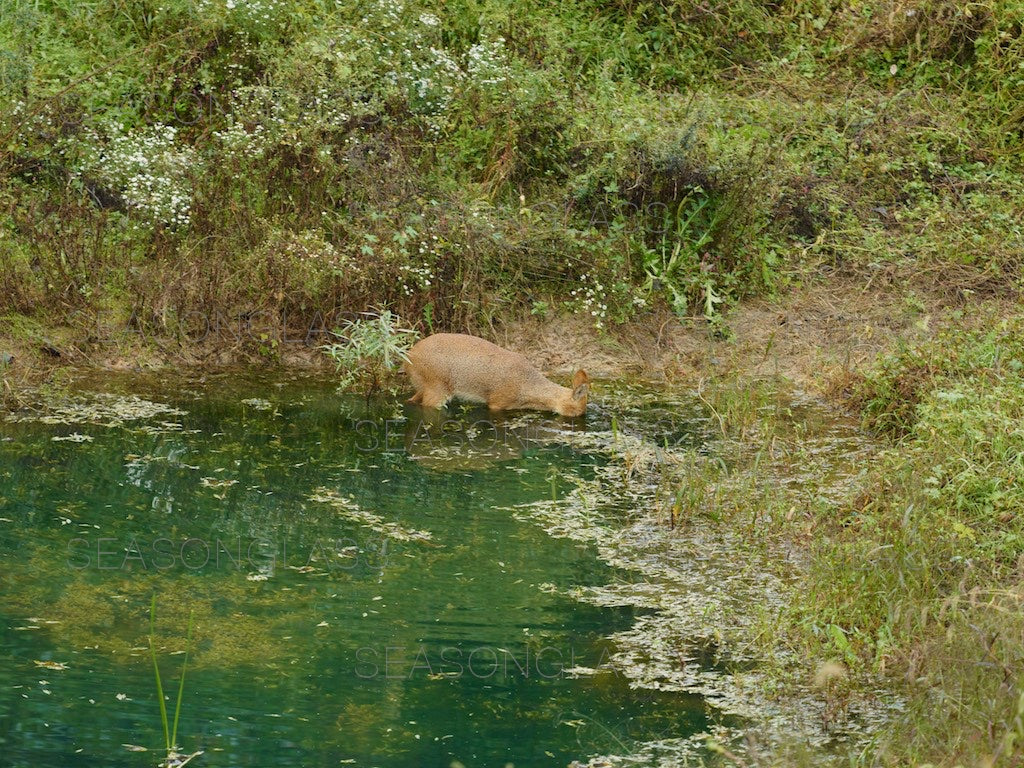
433, 397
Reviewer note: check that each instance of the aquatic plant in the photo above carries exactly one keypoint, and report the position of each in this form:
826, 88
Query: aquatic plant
174, 758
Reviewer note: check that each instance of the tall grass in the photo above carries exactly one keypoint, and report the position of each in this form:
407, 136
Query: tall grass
170, 730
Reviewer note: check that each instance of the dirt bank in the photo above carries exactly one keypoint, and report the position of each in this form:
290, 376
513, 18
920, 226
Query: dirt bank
806, 336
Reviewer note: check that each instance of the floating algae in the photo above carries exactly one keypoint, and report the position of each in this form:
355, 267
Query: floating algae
101, 409
347, 508
704, 589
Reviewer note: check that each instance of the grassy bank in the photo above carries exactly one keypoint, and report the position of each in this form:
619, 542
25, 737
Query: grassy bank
181, 174
921, 573
904, 557
171, 168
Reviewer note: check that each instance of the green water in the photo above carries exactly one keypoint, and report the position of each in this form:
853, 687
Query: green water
361, 591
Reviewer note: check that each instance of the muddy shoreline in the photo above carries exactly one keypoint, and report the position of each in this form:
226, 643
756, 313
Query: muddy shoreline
803, 337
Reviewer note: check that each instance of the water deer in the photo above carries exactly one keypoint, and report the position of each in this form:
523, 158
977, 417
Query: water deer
448, 365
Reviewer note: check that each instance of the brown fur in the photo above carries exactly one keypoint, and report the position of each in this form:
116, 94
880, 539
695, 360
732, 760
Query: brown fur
448, 365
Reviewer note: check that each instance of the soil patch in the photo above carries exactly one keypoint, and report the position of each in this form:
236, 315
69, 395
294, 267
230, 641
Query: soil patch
807, 336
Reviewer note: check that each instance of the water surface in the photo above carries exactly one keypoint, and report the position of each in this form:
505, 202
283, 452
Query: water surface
360, 589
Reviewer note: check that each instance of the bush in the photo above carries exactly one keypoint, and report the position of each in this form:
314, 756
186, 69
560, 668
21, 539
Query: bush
371, 349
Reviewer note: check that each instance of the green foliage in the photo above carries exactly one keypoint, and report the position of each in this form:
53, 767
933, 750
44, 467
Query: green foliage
891, 395
170, 731
916, 575
914, 561
372, 348
684, 270
299, 157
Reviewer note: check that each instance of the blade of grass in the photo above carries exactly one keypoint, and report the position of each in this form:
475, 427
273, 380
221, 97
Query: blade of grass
181, 682
156, 672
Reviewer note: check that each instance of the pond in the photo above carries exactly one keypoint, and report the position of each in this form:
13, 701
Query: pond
364, 584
